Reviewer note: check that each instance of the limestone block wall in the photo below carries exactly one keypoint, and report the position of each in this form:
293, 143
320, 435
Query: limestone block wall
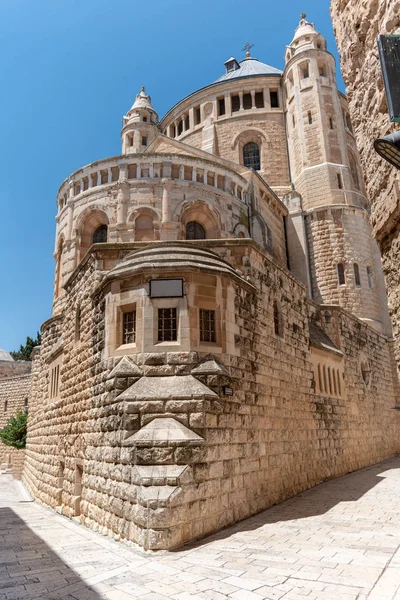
356, 29
14, 394
150, 447
10, 368
342, 235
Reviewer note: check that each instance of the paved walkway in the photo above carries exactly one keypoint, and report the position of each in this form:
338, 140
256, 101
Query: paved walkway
340, 540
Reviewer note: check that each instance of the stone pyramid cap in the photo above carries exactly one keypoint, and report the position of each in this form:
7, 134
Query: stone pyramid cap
163, 431
210, 367
125, 368
176, 387
143, 100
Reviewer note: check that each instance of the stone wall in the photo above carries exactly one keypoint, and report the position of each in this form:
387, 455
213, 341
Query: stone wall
151, 448
10, 368
357, 27
14, 392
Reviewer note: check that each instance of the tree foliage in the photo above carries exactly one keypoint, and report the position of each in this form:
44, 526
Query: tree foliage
14, 433
24, 352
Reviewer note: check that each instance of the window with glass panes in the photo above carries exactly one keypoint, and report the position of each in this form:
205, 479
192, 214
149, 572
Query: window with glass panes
251, 156
207, 325
129, 327
167, 325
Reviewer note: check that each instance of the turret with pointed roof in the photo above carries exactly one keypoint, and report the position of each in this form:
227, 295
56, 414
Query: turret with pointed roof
140, 125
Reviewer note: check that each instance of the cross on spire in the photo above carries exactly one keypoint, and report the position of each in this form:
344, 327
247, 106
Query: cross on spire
303, 15
247, 48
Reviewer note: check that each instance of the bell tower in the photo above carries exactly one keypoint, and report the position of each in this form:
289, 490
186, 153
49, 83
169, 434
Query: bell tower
326, 176
140, 125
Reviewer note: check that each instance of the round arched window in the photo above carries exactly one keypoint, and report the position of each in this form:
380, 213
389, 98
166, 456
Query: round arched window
251, 156
195, 231
100, 235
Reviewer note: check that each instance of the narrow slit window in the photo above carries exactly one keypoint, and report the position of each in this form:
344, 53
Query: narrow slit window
370, 278
325, 382
221, 106
197, 116
207, 325
235, 103
329, 380
129, 327
247, 101
330, 123
309, 115
340, 272
259, 100
357, 275
167, 325
187, 123
339, 181
319, 378
278, 325
78, 324
273, 95
338, 383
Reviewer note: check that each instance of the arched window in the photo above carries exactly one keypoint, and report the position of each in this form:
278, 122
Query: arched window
100, 235
340, 271
251, 156
195, 231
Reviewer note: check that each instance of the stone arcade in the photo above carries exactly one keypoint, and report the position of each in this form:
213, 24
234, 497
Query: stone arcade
219, 338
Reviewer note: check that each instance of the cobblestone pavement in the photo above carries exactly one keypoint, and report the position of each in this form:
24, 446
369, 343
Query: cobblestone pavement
340, 540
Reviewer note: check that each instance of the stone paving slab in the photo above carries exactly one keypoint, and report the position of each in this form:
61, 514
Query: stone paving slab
340, 540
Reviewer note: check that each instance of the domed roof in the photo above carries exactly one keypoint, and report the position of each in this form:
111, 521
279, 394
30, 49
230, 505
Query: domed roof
4, 355
171, 256
304, 28
143, 100
249, 67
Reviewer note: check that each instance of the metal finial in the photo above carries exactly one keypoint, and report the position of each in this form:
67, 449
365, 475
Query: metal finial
247, 48
303, 16
143, 89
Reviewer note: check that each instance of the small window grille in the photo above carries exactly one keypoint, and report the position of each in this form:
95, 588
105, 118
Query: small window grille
251, 156
370, 278
357, 274
129, 327
195, 231
100, 235
247, 101
167, 325
207, 325
259, 100
340, 271
274, 99
235, 103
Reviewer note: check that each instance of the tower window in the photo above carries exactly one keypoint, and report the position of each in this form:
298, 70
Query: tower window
187, 124
304, 71
129, 327
144, 141
370, 278
207, 325
144, 119
340, 271
78, 321
195, 231
167, 325
100, 235
294, 120
339, 181
235, 103
221, 106
273, 95
309, 115
5, 405
247, 101
26, 405
322, 70
357, 275
180, 127
251, 156
259, 98
197, 115
330, 123
278, 325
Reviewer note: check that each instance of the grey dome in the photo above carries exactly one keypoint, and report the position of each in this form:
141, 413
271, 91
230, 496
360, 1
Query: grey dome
4, 355
249, 67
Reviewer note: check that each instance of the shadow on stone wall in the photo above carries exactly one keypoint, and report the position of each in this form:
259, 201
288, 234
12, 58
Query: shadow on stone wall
313, 502
30, 569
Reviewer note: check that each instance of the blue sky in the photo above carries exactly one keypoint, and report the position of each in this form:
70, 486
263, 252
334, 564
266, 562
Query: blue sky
69, 70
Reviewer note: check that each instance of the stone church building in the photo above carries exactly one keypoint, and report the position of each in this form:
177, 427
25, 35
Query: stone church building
220, 338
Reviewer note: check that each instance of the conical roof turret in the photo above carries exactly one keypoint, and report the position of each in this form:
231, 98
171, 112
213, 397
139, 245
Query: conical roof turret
143, 100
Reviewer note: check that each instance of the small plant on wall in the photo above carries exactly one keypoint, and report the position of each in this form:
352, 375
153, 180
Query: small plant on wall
14, 433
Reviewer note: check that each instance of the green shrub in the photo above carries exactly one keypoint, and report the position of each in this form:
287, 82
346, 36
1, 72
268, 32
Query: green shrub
14, 433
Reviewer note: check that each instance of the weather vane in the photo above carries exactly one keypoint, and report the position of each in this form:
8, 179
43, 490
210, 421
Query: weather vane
303, 16
247, 49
